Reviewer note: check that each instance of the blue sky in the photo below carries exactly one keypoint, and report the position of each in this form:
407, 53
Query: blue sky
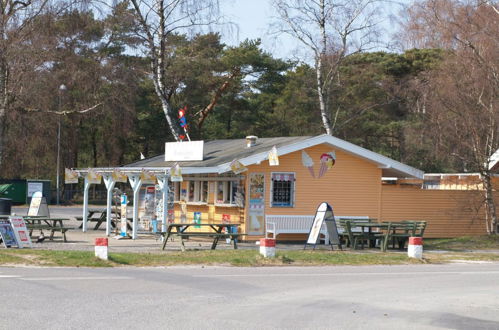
253, 18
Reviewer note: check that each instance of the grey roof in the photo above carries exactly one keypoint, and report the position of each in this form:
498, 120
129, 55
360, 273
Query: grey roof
218, 155
218, 152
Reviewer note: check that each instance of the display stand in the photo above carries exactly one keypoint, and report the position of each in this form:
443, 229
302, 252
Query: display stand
324, 214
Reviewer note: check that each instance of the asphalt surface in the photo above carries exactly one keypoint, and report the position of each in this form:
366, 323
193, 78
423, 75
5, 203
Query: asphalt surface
455, 296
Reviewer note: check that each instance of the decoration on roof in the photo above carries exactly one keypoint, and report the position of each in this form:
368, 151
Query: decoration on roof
307, 161
147, 177
327, 162
119, 176
273, 157
183, 123
176, 173
237, 167
70, 176
93, 177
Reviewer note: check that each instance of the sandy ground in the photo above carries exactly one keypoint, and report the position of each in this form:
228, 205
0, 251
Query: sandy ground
85, 241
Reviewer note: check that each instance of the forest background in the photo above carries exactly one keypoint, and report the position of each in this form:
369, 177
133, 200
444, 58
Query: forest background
432, 104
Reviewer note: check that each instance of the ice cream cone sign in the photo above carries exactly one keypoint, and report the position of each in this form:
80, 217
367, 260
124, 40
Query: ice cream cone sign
327, 162
273, 157
308, 163
237, 167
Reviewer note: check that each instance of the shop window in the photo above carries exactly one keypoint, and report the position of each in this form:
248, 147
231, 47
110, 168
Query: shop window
226, 192
197, 191
176, 191
283, 189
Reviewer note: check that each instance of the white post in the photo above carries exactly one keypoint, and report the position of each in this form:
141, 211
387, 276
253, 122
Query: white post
108, 180
163, 184
85, 205
135, 182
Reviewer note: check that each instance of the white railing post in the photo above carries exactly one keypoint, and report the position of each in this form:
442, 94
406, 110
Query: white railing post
85, 204
136, 183
163, 185
109, 182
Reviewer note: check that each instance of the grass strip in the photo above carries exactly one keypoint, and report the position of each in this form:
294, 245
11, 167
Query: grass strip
243, 258
489, 242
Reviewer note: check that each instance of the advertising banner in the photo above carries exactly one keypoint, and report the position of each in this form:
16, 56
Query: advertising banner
20, 231
7, 234
94, 177
70, 176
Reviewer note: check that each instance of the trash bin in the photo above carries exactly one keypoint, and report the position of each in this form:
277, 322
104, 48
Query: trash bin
5, 206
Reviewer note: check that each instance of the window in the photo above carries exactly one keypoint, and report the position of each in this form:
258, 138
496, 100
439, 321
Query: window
197, 191
282, 190
226, 192
176, 191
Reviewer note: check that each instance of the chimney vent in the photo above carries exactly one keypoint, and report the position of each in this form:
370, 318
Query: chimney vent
251, 141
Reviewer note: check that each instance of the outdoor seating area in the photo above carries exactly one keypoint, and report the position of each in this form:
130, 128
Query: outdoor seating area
47, 224
380, 234
99, 216
216, 231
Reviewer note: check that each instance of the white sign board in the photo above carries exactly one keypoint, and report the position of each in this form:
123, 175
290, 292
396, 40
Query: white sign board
21, 232
33, 187
184, 151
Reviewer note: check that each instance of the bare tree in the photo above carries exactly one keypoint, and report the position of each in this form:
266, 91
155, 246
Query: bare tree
330, 29
462, 96
16, 18
159, 20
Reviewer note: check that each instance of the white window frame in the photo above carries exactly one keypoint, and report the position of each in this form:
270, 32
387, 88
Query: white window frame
228, 187
197, 193
293, 192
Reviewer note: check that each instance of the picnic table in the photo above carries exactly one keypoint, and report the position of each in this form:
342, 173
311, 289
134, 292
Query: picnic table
212, 230
385, 232
42, 223
99, 216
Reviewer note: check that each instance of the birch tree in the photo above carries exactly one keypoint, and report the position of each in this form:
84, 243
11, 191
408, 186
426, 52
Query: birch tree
462, 96
160, 20
330, 30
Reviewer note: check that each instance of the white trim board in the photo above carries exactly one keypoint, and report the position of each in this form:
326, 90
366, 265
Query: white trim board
350, 148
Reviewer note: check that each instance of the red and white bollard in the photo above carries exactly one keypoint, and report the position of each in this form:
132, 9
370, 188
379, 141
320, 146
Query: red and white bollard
101, 248
415, 248
267, 247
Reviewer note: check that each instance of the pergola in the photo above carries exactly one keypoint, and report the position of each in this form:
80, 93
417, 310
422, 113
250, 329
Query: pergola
162, 175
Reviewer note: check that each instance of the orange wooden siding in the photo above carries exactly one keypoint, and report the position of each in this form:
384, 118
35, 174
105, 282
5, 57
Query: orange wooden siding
352, 186
449, 213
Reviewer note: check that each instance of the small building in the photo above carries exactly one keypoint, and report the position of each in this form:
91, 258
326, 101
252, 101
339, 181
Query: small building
241, 181
310, 170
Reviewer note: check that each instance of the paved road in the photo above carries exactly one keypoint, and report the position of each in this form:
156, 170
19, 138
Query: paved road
365, 297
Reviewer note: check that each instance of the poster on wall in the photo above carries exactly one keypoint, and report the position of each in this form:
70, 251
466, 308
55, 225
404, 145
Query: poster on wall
256, 214
33, 187
197, 219
147, 207
225, 218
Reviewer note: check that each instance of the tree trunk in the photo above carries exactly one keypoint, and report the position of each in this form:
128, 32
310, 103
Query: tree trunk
3, 103
319, 68
490, 204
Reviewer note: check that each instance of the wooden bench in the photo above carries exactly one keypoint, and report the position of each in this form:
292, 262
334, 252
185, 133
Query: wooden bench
216, 236
402, 230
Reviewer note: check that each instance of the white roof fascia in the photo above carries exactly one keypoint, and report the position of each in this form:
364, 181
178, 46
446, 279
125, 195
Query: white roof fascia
381, 161
494, 159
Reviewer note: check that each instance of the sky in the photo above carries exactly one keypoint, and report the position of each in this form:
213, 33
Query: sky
252, 20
